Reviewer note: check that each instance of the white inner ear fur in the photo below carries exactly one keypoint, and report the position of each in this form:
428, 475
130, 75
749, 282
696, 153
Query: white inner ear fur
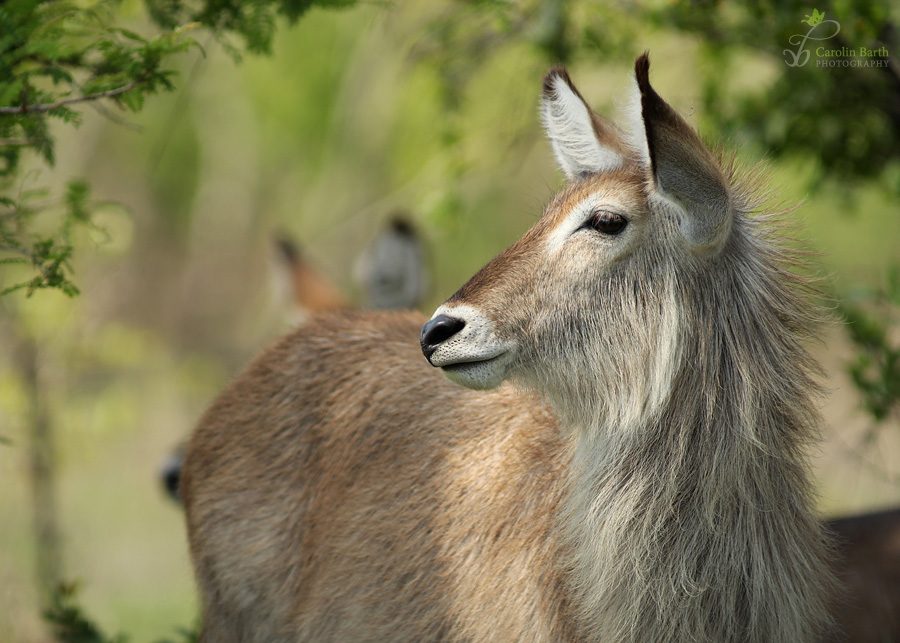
567, 121
633, 120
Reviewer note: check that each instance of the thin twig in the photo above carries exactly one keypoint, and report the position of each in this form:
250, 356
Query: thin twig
46, 107
19, 141
115, 118
105, 113
181, 104
22, 251
875, 469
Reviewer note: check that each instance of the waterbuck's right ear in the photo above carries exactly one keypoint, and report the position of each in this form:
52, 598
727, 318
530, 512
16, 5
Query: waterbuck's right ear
583, 142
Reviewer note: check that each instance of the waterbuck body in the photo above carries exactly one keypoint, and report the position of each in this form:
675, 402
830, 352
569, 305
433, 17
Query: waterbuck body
615, 454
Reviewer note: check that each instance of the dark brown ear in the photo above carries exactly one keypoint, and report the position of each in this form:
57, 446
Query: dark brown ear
684, 170
583, 142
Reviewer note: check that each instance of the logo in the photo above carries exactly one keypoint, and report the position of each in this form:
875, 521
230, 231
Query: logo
821, 29
814, 18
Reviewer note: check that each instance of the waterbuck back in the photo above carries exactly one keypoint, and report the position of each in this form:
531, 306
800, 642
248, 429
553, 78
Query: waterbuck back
615, 454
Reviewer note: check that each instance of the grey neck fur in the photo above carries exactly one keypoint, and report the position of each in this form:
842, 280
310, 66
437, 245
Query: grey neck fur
690, 516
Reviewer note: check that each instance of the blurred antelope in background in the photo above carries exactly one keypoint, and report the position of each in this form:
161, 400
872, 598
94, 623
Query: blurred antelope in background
868, 567
392, 275
616, 452
392, 272
311, 292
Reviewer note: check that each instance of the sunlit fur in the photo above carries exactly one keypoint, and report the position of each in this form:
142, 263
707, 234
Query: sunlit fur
643, 480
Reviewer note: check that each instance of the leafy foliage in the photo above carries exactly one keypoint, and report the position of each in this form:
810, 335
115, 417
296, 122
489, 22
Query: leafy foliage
47, 255
57, 54
70, 624
846, 117
872, 324
54, 55
253, 21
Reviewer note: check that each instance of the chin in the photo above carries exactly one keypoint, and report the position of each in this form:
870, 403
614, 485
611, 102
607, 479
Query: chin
480, 376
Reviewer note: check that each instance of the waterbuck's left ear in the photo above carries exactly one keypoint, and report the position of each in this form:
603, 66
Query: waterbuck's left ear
684, 170
583, 142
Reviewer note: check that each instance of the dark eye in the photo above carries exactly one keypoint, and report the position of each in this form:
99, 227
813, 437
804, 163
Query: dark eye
606, 222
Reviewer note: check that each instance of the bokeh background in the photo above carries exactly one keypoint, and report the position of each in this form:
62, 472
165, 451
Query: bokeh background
427, 108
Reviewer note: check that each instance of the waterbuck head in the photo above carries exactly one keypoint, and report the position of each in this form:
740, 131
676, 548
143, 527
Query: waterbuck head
587, 306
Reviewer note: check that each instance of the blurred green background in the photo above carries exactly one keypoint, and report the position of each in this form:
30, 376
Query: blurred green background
427, 107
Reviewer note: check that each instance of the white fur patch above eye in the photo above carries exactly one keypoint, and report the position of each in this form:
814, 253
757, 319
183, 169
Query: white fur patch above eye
576, 218
567, 121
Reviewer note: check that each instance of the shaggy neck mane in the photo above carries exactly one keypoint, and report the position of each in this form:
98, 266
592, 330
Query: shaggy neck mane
697, 522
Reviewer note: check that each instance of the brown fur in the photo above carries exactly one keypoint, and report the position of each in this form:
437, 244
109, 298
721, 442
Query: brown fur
316, 516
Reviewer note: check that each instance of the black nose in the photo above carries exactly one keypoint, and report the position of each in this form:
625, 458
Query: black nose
438, 330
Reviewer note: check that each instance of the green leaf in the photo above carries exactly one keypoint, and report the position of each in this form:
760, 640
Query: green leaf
77, 193
133, 100
11, 92
129, 34
69, 622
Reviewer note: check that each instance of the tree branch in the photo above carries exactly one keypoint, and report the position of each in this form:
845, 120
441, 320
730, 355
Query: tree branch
46, 107
21, 251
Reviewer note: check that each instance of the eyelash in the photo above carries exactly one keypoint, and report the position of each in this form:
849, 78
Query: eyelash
606, 223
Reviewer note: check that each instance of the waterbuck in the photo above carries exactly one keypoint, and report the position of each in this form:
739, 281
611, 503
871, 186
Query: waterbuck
615, 454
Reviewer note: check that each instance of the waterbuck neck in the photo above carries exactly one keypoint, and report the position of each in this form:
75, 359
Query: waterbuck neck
694, 521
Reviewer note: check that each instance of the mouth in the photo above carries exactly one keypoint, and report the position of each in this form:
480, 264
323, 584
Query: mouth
472, 363
483, 372
453, 362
